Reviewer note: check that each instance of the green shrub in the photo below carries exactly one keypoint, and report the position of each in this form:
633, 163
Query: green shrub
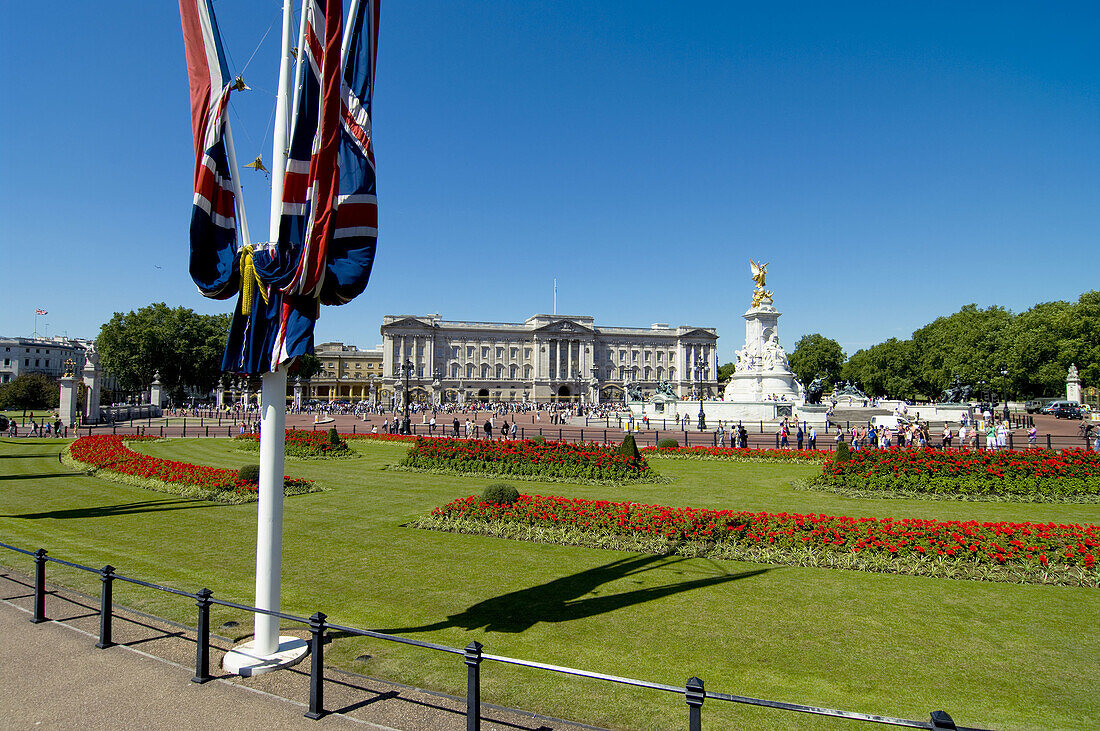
249, 473
500, 493
667, 443
538, 439
843, 454
334, 437
629, 448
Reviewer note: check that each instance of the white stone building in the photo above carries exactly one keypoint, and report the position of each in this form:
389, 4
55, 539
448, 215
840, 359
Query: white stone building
39, 355
545, 358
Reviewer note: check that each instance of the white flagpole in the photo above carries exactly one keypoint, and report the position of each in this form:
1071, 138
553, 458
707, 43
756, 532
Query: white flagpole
269, 651
269, 514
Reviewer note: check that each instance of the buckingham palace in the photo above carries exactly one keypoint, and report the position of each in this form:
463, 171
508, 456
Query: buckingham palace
545, 358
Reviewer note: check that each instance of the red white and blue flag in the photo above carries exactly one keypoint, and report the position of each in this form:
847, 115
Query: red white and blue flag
40, 312
329, 225
213, 262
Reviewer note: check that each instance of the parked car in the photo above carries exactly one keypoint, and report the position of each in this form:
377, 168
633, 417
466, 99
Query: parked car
1049, 408
1067, 410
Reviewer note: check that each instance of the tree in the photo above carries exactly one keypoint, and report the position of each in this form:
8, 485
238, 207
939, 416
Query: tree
816, 355
30, 391
968, 344
184, 347
726, 371
886, 369
308, 366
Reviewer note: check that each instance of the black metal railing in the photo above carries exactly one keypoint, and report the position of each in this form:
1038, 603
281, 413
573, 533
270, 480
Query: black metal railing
473, 656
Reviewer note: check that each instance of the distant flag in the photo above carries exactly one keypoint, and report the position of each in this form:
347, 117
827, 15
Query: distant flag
40, 312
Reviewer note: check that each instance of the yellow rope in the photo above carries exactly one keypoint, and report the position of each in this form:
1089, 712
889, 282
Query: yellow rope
249, 279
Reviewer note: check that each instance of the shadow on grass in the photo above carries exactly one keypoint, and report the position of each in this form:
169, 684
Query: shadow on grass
103, 511
44, 475
561, 600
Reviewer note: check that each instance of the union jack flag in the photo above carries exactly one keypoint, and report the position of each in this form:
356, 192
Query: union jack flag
213, 263
329, 221
40, 312
329, 226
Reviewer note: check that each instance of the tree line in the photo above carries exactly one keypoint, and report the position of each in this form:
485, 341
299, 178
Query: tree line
1035, 347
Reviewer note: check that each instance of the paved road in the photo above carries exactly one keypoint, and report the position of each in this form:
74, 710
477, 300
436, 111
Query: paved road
53, 677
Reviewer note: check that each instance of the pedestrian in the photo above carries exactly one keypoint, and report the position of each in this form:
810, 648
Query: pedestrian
454, 428
813, 438
721, 435
1032, 434
514, 430
488, 430
798, 435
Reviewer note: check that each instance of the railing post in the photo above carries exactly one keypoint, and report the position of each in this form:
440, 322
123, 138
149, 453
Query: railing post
39, 615
940, 720
202, 639
695, 695
473, 686
316, 666
1048, 441
107, 576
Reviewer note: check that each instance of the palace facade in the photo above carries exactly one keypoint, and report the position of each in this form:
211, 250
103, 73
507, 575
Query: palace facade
545, 358
347, 373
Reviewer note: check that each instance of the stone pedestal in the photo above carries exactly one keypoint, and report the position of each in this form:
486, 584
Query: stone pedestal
69, 412
1073, 384
763, 373
298, 393
219, 397
91, 383
156, 393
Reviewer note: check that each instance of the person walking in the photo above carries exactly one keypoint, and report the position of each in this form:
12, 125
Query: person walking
798, 435
813, 438
488, 430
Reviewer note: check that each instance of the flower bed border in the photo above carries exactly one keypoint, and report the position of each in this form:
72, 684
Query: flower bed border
792, 549
229, 496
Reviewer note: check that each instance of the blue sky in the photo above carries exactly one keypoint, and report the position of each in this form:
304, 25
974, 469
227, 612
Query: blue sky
892, 161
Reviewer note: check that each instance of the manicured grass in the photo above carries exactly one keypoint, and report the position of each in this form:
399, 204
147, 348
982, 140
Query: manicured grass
994, 655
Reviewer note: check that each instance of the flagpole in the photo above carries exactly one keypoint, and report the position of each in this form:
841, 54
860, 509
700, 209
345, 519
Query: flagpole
269, 518
268, 650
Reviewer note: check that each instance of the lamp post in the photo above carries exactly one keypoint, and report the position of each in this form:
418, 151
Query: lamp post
407, 370
1004, 387
700, 370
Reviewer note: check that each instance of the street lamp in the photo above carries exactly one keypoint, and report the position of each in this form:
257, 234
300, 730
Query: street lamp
700, 371
407, 369
1004, 383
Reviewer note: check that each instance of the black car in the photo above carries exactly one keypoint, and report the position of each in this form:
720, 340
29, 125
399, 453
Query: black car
1065, 411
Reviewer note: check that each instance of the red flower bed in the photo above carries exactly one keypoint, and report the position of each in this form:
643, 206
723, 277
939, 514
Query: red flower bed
1073, 473
107, 452
303, 443
738, 454
969, 463
973, 542
549, 459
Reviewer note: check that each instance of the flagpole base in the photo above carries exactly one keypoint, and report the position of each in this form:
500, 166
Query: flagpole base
245, 661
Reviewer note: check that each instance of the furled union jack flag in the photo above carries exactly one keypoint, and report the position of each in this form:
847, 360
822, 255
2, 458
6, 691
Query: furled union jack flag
329, 222
213, 263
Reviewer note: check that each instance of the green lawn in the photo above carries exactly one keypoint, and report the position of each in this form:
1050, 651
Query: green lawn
993, 655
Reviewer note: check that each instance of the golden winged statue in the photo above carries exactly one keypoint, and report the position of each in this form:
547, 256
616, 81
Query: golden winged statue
759, 272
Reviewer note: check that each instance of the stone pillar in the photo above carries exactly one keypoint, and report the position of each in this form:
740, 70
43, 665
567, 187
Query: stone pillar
69, 411
219, 396
1073, 384
298, 392
91, 383
156, 391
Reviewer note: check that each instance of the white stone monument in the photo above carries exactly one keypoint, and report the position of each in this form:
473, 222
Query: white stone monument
91, 383
1073, 384
762, 371
69, 408
297, 393
156, 391
219, 395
